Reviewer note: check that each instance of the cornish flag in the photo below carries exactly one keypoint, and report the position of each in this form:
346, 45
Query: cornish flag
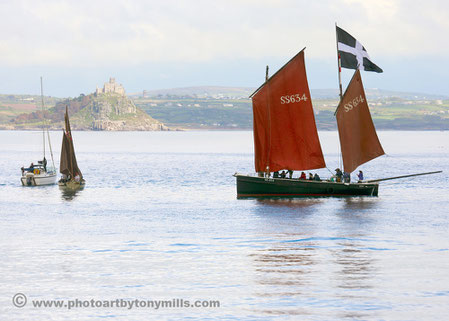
352, 54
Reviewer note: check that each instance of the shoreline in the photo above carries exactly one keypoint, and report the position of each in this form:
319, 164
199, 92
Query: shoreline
179, 129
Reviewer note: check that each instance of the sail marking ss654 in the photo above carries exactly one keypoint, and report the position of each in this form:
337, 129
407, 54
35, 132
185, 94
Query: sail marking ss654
285, 134
358, 137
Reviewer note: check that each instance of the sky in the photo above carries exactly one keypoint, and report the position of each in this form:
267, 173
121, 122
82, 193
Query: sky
147, 44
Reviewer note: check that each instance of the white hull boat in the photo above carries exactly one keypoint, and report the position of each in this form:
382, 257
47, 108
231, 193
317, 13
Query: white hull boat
43, 178
40, 174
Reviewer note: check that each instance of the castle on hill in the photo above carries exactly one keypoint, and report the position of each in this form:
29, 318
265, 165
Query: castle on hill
111, 87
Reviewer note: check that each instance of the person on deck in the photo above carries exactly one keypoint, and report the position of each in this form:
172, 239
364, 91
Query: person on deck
267, 172
360, 176
346, 177
316, 177
303, 176
290, 173
338, 174
310, 177
44, 163
283, 174
276, 174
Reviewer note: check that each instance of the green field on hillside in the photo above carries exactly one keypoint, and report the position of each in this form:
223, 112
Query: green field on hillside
237, 113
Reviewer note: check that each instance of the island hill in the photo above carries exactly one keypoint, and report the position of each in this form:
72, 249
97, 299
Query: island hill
107, 109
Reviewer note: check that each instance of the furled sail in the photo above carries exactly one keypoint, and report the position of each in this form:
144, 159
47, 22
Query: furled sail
68, 164
358, 137
285, 133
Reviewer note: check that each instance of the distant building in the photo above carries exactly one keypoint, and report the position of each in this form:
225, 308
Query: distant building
111, 87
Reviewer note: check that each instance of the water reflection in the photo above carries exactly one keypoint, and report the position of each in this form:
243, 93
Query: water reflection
284, 266
292, 272
284, 271
285, 214
360, 203
355, 268
292, 203
291, 275
355, 275
69, 194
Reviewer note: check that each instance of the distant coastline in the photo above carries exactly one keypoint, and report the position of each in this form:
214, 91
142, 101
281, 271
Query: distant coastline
229, 108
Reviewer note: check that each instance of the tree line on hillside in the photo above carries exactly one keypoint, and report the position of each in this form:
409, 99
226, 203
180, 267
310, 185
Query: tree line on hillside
56, 113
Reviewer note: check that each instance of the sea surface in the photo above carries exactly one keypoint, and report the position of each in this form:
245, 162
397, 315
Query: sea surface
159, 220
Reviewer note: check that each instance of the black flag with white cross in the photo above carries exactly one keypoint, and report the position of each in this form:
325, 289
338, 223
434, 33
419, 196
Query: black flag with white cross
352, 54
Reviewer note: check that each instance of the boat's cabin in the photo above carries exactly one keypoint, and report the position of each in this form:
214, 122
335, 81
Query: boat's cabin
38, 168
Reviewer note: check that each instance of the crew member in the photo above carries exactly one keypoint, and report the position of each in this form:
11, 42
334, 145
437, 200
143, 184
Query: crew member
360, 176
338, 174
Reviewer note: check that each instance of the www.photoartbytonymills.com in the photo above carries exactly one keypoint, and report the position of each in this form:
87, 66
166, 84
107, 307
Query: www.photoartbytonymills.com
20, 300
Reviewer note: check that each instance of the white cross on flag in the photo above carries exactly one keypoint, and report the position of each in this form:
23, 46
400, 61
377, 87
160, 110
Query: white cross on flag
352, 54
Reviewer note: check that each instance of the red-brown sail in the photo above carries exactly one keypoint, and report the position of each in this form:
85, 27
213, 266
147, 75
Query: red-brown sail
358, 137
285, 134
68, 164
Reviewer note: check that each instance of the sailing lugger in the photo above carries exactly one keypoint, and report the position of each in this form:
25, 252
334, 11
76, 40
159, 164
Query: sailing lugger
68, 167
286, 137
285, 133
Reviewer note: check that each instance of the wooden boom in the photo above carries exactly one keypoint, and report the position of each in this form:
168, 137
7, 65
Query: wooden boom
403, 176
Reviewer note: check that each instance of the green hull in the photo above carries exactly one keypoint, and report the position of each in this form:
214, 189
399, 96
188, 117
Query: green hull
251, 186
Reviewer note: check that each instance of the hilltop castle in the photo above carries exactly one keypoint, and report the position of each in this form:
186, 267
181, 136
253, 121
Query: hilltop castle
111, 87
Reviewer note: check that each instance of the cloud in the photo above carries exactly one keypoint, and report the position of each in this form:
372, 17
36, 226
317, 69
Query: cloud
155, 44
89, 33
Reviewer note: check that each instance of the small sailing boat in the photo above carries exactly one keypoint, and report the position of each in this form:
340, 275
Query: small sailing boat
72, 177
286, 138
40, 174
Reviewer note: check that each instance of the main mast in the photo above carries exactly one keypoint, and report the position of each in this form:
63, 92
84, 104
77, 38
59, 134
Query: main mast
267, 169
341, 90
43, 117
44, 126
339, 66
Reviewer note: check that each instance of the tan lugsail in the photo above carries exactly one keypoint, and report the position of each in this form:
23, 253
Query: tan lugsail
68, 164
285, 133
358, 137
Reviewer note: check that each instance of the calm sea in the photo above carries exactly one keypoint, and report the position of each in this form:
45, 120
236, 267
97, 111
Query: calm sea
159, 221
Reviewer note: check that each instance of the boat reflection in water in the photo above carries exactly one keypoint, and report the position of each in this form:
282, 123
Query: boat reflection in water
69, 194
292, 270
291, 275
290, 203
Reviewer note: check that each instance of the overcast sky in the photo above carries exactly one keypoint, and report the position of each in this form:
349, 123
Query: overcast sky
76, 45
